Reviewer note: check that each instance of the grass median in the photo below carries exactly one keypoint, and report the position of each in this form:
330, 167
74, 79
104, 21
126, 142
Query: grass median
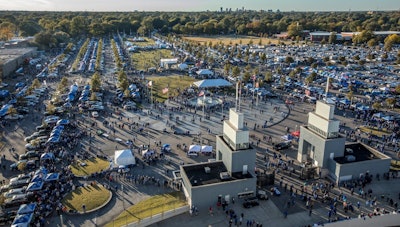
174, 83
144, 60
149, 207
374, 131
89, 166
92, 196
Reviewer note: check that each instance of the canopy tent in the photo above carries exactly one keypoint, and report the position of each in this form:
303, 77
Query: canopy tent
166, 147
52, 177
296, 133
35, 186
212, 83
37, 178
379, 115
345, 101
27, 208
388, 118
47, 156
63, 122
195, 148
22, 219
287, 137
124, 157
204, 72
42, 170
363, 108
206, 149
183, 66
20, 225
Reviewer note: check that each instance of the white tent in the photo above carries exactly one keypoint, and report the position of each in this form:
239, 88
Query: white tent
195, 148
124, 157
183, 66
204, 72
206, 149
212, 83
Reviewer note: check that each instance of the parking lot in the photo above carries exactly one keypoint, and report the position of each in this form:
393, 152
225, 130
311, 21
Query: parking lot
82, 128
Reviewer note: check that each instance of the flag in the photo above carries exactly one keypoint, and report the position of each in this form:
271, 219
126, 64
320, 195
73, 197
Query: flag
201, 93
165, 90
150, 83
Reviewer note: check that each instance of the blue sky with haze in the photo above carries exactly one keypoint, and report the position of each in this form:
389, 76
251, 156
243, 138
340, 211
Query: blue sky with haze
198, 5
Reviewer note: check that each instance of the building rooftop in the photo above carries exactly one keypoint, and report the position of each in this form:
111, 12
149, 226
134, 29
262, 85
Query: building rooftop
198, 176
8, 54
357, 152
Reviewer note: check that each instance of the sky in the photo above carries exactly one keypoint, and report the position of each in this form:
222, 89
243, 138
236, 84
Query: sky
199, 5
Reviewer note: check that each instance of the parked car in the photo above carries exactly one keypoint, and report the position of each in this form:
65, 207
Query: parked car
262, 195
250, 202
14, 117
14, 191
29, 155
15, 201
283, 145
20, 177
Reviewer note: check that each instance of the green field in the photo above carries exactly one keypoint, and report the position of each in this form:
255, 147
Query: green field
144, 60
149, 207
92, 196
173, 82
374, 131
92, 165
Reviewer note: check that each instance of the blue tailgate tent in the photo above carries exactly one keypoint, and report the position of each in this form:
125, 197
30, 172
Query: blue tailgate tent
27, 208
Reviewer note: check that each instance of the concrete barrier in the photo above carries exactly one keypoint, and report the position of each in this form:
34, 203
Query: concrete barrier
159, 217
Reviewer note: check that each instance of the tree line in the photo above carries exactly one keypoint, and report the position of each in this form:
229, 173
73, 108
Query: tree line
52, 28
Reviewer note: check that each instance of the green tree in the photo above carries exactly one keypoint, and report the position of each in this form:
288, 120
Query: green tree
236, 71
63, 85
294, 29
289, 59
376, 106
390, 40
227, 68
332, 38
95, 82
268, 77
391, 102
93, 96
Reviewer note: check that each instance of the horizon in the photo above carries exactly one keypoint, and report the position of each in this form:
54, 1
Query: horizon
199, 6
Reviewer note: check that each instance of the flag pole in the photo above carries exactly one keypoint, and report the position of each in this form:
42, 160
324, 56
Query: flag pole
204, 104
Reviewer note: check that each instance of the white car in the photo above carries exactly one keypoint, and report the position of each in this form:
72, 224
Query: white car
13, 117
95, 114
51, 119
15, 191
29, 146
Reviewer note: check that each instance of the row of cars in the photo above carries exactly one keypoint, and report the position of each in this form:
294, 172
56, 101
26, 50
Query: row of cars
15, 193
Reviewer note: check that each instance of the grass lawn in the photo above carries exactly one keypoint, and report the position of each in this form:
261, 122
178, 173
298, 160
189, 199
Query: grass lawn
146, 208
375, 131
92, 196
173, 82
147, 59
231, 40
148, 42
395, 165
93, 165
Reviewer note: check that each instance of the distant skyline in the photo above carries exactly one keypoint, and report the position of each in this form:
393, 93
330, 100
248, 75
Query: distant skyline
199, 5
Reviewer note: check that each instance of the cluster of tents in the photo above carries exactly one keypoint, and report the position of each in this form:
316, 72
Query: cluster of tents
202, 149
24, 215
